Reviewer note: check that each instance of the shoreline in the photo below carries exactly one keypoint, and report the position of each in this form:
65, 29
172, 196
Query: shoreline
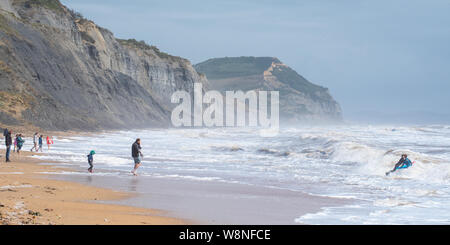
153, 200
27, 197
29, 130
214, 203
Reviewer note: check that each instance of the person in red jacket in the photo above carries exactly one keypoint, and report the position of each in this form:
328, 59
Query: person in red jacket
49, 141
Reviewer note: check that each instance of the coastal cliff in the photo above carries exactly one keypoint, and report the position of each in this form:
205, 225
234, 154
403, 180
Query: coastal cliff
61, 71
300, 100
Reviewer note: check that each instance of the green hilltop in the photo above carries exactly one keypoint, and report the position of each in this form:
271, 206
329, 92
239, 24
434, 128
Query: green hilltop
219, 68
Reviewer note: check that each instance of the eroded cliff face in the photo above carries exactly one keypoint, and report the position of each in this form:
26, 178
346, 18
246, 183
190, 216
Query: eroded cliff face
300, 101
60, 71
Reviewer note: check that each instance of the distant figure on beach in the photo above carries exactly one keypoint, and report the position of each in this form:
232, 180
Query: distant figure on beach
49, 141
91, 160
15, 142
40, 142
404, 162
5, 132
136, 154
20, 142
8, 143
35, 142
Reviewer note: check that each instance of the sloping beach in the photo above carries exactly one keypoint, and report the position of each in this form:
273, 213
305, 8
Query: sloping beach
308, 175
36, 189
27, 197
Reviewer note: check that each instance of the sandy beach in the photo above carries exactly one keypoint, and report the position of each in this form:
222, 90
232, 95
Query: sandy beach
27, 197
34, 191
213, 203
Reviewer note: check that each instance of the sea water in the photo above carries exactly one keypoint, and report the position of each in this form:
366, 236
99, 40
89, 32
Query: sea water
347, 161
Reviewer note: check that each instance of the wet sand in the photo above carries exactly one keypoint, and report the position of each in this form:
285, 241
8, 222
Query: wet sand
27, 197
30, 195
208, 202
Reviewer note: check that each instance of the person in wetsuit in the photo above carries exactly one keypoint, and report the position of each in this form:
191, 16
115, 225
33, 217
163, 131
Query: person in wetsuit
403, 162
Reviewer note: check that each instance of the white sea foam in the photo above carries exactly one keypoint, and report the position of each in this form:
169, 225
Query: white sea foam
347, 161
176, 176
15, 186
82, 173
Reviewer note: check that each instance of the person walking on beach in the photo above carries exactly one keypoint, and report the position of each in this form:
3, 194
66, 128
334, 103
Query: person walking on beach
49, 141
136, 154
20, 142
35, 142
8, 143
91, 160
40, 142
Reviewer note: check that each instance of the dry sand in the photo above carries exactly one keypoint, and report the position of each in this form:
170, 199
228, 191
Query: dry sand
27, 197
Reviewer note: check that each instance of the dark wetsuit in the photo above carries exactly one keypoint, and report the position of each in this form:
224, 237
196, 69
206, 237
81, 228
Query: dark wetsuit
402, 162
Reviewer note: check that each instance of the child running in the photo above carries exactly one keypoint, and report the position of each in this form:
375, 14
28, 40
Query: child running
91, 161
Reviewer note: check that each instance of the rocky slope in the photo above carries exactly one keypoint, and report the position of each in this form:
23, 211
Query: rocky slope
61, 71
300, 100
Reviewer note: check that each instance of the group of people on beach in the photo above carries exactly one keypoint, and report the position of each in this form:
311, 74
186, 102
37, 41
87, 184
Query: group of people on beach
38, 142
19, 141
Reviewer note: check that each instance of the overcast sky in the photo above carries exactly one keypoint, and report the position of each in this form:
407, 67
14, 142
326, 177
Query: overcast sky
384, 56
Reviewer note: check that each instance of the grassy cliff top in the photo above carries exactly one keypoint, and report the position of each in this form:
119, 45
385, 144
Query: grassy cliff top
235, 67
54, 5
144, 46
290, 77
228, 67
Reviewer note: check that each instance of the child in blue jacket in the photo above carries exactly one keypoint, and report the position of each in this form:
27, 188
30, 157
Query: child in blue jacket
91, 161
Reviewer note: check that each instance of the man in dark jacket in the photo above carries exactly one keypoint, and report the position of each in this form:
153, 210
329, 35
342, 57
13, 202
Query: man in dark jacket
136, 154
8, 143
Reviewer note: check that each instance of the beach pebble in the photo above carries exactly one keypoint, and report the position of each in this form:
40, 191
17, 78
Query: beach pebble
34, 213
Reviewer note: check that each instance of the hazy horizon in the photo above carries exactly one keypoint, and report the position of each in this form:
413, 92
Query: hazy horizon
376, 57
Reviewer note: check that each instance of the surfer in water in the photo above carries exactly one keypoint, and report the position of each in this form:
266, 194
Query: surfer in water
404, 162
